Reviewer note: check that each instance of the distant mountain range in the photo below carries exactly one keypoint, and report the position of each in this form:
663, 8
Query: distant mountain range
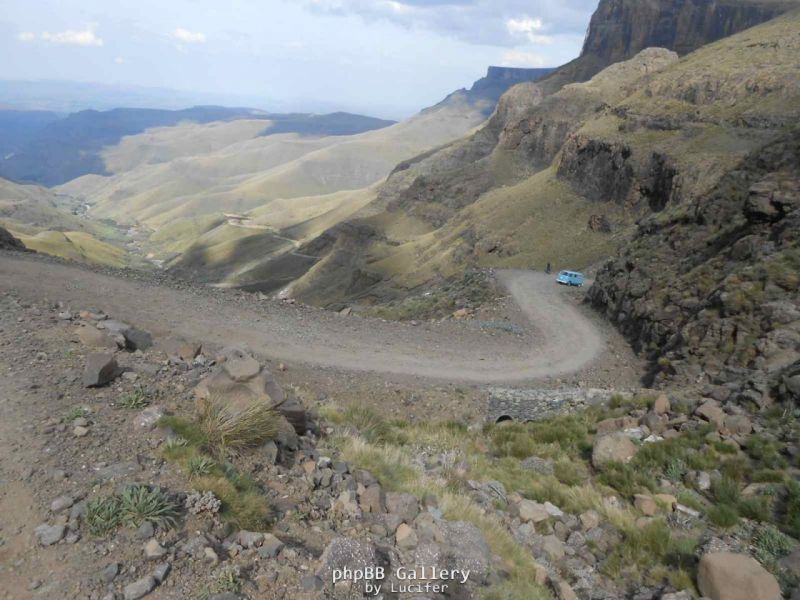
48, 149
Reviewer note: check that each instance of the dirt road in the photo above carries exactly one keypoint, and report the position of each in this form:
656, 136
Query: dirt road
561, 338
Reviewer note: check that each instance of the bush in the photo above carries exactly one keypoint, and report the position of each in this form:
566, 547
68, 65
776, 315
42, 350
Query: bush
626, 479
771, 545
200, 466
103, 515
141, 503
224, 428
758, 508
723, 515
726, 491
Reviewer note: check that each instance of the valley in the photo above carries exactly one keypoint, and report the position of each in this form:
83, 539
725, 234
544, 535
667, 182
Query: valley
243, 353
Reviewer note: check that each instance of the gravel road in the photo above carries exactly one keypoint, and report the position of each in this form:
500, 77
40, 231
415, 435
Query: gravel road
560, 339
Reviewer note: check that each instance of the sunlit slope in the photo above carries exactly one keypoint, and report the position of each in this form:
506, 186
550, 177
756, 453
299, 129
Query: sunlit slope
571, 175
45, 223
248, 174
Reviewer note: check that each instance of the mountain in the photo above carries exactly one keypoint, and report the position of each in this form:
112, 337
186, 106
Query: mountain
565, 166
63, 149
52, 224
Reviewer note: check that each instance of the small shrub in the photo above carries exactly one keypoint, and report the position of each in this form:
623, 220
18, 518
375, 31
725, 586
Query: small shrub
768, 476
726, 491
766, 451
736, 469
135, 400
570, 472
626, 479
227, 429
771, 545
243, 503
229, 581
200, 466
790, 515
75, 412
723, 515
173, 443
691, 500
103, 515
757, 508
675, 470
140, 503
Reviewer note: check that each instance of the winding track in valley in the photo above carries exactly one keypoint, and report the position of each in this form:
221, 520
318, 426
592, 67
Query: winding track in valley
561, 339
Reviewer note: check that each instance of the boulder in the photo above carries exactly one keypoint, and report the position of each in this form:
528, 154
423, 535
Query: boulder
176, 348
532, 512
405, 537
739, 424
711, 412
101, 368
92, 337
136, 339
9, 242
617, 424
405, 506
350, 553
645, 504
728, 576
373, 500
615, 447
661, 406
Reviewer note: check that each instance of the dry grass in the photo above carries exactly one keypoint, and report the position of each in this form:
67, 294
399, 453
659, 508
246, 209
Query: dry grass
228, 429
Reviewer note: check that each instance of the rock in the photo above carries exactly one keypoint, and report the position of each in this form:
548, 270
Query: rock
160, 572
406, 506
373, 500
712, 413
615, 447
148, 418
240, 366
739, 424
293, 411
136, 339
661, 406
617, 424
139, 588
565, 592
61, 503
553, 548
94, 338
405, 537
344, 552
728, 576
270, 546
553, 510
101, 368
181, 349
590, 519
211, 555
532, 512
109, 573
80, 431
152, 549
47, 535
645, 504
250, 539
312, 583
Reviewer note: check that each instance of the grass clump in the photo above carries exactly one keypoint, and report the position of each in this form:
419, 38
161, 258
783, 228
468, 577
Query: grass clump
644, 548
76, 412
103, 515
200, 466
223, 428
723, 515
627, 479
771, 545
136, 400
142, 503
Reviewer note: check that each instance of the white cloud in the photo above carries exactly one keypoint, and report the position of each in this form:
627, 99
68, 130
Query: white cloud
189, 37
524, 25
119, 60
26, 36
528, 27
85, 37
519, 58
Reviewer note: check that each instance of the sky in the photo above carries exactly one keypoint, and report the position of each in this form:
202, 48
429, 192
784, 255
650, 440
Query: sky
386, 58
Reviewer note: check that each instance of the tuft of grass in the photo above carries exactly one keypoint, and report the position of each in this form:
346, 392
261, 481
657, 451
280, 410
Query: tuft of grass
173, 443
224, 428
141, 503
76, 412
771, 545
726, 490
229, 581
723, 515
103, 515
244, 504
626, 479
136, 400
200, 466
644, 548
790, 513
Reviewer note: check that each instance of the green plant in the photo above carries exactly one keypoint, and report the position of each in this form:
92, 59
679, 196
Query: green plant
200, 466
723, 515
76, 412
175, 442
103, 515
790, 514
136, 400
757, 508
140, 503
224, 428
626, 479
675, 470
726, 491
771, 545
229, 580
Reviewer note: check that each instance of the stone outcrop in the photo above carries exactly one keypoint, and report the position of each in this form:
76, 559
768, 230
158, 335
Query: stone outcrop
9, 242
727, 576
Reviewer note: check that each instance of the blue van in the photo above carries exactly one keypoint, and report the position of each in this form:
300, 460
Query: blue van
570, 278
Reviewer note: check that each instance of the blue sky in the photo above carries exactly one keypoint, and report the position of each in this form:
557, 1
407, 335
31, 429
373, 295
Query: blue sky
381, 57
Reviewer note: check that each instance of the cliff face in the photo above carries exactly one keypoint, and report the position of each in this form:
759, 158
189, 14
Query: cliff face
621, 28
9, 242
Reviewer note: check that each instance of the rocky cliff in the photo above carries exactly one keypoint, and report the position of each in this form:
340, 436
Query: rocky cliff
9, 242
620, 28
